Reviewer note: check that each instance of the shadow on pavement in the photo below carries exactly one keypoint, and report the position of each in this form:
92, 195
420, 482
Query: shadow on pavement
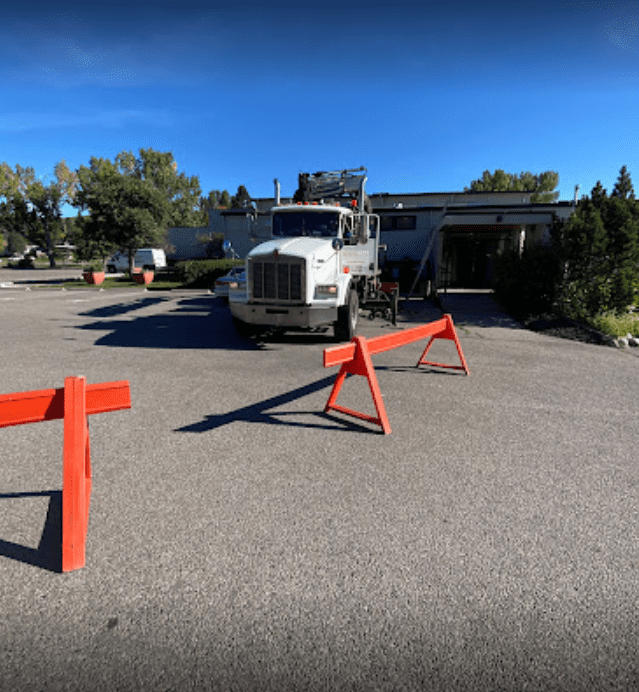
470, 309
422, 369
199, 322
259, 413
477, 310
122, 308
48, 554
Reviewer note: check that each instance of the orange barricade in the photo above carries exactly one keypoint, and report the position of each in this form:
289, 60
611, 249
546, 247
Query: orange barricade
73, 403
355, 359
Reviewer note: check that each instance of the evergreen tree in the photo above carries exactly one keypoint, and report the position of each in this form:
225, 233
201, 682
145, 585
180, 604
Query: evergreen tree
216, 199
599, 251
623, 239
586, 289
598, 196
241, 199
624, 279
225, 200
623, 187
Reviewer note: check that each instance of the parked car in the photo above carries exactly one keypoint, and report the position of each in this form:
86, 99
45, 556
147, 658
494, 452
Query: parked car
236, 276
147, 258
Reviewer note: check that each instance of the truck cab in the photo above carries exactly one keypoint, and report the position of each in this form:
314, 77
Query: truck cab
319, 267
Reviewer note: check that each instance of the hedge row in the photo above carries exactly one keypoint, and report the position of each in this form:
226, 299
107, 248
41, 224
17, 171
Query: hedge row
203, 273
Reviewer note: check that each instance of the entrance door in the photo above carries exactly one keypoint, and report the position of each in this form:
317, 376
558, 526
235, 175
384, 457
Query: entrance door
468, 260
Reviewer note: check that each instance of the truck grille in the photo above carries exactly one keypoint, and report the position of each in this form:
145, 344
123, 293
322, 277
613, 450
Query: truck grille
276, 280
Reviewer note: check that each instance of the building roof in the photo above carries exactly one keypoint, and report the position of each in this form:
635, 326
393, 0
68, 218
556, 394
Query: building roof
474, 208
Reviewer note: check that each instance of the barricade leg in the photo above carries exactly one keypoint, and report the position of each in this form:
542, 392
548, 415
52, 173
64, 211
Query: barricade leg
450, 334
76, 483
360, 365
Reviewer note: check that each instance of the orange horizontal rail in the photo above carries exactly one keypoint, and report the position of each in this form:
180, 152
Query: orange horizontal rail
388, 342
336, 355
48, 404
73, 403
355, 359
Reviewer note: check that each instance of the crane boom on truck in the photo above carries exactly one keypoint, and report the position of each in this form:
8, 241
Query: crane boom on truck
321, 264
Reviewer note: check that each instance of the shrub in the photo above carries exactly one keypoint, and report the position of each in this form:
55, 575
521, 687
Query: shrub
617, 325
526, 285
203, 273
94, 266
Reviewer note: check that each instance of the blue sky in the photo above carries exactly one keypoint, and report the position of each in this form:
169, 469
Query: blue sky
426, 97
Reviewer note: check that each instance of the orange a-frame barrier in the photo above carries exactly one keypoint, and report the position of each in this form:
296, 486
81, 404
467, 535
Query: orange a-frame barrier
355, 359
73, 403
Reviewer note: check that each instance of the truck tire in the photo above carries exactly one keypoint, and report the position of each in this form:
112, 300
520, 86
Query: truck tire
347, 317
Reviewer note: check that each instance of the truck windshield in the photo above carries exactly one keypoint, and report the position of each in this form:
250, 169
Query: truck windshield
313, 223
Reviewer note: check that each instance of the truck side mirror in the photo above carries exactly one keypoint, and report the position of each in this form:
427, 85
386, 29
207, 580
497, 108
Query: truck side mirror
337, 244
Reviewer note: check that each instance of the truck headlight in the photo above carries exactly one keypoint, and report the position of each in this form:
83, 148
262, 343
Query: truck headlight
326, 290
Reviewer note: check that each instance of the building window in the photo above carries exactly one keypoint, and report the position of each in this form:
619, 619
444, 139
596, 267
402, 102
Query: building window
405, 223
399, 223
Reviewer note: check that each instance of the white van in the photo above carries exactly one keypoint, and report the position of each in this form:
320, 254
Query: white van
147, 258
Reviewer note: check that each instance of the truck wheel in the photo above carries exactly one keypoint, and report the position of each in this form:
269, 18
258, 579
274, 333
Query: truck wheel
347, 316
243, 329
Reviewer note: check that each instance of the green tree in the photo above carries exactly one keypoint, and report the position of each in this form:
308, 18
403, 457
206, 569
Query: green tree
225, 200
46, 228
241, 198
14, 218
34, 208
599, 251
598, 196
215, 200
623, 187
125, 212
89, 238
160, 170
622, 225
132, 201
16, 243
14, 210
541, 185
586, 280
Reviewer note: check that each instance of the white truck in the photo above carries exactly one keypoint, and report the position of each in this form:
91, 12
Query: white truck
321, 265
154, 258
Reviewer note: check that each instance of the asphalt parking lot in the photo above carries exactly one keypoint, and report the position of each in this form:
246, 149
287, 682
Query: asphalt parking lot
240, 539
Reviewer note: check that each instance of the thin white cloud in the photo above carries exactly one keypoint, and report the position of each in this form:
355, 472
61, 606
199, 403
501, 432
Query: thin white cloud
624, 32
619, 20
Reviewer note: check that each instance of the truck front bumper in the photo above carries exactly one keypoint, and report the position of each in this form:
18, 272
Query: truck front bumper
288, 317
